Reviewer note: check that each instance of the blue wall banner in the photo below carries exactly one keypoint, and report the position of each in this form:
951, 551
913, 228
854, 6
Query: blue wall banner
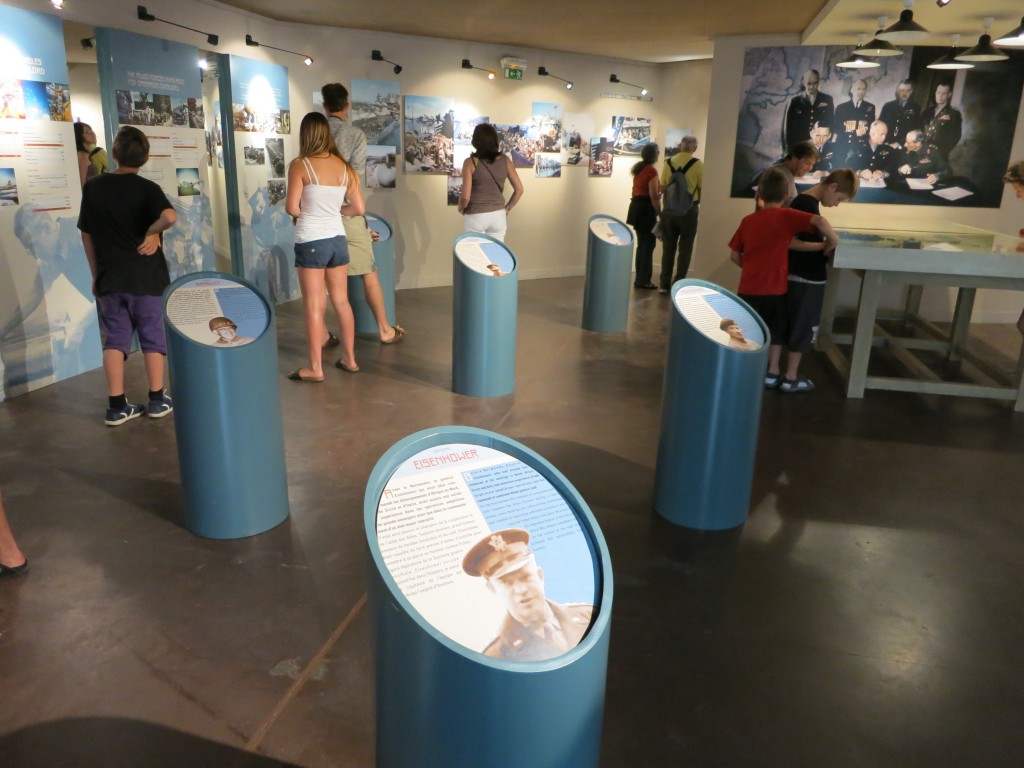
48, 325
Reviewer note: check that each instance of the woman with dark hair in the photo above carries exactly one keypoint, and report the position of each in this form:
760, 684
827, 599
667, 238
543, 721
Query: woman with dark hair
86, 170
644, 210
318, 180
483, 185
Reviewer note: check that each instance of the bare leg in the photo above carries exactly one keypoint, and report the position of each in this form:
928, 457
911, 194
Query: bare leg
793, 364
10, 555
113, 371
337, 284
154, 370
774, 356
314, 301
375, 299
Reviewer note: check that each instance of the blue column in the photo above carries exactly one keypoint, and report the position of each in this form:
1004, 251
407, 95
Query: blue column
609, 268
710, 414
227, 416
484, 317
384, 257
441, 705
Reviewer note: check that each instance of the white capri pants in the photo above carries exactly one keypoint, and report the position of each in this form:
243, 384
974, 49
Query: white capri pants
492, 223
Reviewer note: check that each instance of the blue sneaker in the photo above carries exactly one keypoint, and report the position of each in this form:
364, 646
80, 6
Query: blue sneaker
160, 408
118, 416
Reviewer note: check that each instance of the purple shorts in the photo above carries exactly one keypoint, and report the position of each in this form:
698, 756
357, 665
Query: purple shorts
122, 314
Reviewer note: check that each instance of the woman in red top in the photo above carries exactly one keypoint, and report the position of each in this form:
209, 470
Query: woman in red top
644, 209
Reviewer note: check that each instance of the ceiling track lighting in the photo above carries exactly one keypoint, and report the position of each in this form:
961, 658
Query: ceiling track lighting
877, 47
615, 79
58, 4
543, 72
857, 61
145, 15
376, 56
307, 60
906, 30
983, 51
88, 43
1012, 39
943, 3
467, 64
947, 60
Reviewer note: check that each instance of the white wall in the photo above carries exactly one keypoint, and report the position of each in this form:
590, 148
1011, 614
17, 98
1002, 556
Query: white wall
84, 81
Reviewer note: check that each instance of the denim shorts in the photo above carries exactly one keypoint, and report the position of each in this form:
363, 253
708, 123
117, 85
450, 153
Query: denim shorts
122, 314
322, 254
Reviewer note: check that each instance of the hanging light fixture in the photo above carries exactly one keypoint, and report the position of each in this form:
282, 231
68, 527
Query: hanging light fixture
878, 47
1014, 38
947, 60
983, 51
906, 30
615, 79
856, 61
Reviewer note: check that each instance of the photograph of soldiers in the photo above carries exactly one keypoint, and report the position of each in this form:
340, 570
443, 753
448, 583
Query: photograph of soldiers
514, 141
275, 154
805, 109
546, 126
429, 139
534, 628
901, 114
254, 155
376, 111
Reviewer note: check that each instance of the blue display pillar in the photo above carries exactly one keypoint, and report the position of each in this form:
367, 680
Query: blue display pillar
711, 407
222, 357
485, 296
609, 269
443, 702
384, 258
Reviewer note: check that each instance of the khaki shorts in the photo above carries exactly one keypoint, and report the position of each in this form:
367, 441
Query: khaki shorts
360, 246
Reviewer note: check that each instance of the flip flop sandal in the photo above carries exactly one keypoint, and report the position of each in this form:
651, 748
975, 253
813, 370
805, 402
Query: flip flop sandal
399, 333
296, 376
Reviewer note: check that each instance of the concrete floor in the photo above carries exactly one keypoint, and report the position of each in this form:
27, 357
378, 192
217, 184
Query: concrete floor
868, 614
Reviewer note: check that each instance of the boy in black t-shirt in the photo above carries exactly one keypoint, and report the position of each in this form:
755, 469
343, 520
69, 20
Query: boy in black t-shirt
807, 275
121, 220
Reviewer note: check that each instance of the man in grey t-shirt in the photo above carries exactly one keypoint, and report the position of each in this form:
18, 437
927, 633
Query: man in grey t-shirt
351, 143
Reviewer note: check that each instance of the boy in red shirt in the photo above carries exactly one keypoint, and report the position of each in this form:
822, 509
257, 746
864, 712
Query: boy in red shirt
760, 248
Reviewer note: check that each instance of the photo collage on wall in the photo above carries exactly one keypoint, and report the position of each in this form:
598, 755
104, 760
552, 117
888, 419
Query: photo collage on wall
158, 90
48, 324
429, 139
546, 131
376, 111
913, 135
464, 127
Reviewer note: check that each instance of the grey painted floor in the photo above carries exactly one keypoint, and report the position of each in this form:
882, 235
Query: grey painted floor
868, 614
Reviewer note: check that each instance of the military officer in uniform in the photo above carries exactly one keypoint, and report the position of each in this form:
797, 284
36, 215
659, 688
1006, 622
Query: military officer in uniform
805, 110
828, 154
943, 123
534, 628
854, 116
874, 160
227, 332
921, 161
901, 114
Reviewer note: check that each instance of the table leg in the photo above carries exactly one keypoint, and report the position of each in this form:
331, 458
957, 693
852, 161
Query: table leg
961, 321
864, 333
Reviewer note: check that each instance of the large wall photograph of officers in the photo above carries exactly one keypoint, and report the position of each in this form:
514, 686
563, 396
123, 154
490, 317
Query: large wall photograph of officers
915, 136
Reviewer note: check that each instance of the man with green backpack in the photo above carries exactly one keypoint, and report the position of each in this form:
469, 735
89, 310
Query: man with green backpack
681, 177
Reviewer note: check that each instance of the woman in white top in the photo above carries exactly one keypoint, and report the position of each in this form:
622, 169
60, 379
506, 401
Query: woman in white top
318, 181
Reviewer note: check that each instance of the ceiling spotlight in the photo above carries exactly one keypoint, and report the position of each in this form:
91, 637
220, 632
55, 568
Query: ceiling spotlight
947, 60
983, 51
376, 56
1014, 38
615, 79
467, 64
204, 64
145, 15
308, 61
906, 30
543, 72
58, 4
943, 3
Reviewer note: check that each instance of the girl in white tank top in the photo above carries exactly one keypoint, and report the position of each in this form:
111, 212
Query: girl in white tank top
321, 188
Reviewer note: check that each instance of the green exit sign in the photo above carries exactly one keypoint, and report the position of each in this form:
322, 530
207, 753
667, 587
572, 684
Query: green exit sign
513, 73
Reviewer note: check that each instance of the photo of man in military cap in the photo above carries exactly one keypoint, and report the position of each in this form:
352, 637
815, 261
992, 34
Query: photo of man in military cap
227, 332
534, 628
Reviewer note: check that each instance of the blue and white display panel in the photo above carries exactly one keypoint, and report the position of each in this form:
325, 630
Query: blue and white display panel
611, 231
158, 90
382, 228
217, 312
485, 256
719, 317
48, 325
489, 552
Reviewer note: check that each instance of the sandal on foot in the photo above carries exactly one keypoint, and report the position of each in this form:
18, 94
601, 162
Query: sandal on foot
772, 380
347, 369
13, 570
297, 375
332, 341
399, 333
801, 384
